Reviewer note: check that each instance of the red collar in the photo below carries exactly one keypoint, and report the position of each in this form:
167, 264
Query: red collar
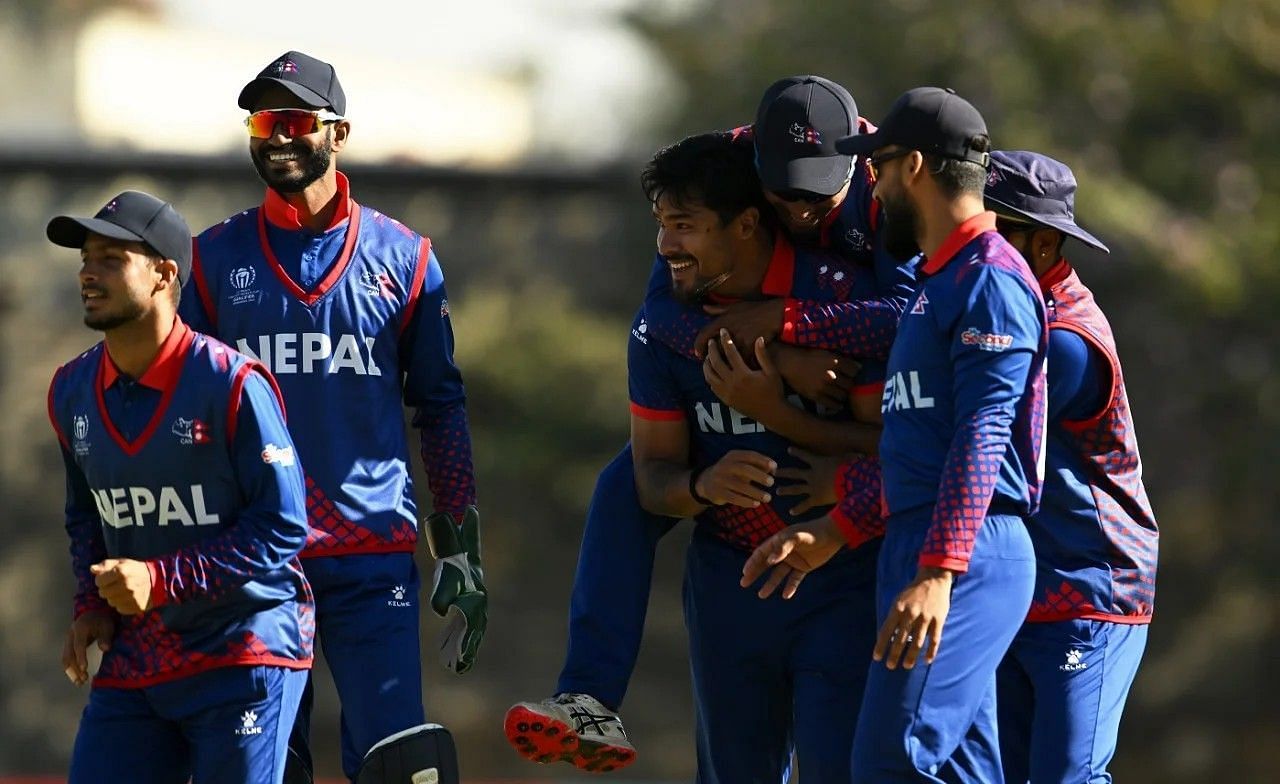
959, 237
282, 214
1055, 275
163, 371
780, 275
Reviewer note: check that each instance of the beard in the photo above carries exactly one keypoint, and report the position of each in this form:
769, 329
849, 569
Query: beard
313, 164
901, 222
694, 293
105, 322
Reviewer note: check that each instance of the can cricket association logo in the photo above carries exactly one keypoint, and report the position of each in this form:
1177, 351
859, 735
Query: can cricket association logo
190, 431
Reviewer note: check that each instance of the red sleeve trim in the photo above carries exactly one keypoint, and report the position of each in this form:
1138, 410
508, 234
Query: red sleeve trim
53, 420
852, 536
790, 310
944, 562
657, 414
202, 288
415, 289
159, 596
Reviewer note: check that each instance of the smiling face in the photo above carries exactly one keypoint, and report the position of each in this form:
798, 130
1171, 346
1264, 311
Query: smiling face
696, 244
291, 164
119, 281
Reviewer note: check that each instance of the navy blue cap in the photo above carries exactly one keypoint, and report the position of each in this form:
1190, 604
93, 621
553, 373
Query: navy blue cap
1038, 189
133, 216
312, 80
797, 124
933, 120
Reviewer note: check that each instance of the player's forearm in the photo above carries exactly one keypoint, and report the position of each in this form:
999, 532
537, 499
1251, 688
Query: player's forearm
859, 513
84, 529
446, 457
824, 436
259, 543
860, 328
967, 486
663, 487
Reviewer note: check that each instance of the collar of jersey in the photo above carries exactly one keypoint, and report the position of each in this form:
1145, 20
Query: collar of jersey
959, 237
283, 215
1055, 275
163, 371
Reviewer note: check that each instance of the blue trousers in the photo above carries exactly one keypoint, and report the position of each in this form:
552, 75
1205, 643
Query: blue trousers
225, 726
367, 623
774, 675
1062, 688
937, 723
611, 586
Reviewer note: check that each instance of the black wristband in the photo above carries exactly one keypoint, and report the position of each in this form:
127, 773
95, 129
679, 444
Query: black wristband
693, 487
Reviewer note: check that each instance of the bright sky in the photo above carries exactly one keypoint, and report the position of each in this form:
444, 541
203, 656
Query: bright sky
486, 83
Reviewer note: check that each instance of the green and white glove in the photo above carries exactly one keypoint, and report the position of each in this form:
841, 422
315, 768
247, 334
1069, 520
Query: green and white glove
457, 590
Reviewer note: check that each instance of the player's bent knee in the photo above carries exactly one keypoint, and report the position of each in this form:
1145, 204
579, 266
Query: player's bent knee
419, 755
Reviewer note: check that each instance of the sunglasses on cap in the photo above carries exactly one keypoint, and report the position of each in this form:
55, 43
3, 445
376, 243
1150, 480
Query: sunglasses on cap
793, 195
295, 122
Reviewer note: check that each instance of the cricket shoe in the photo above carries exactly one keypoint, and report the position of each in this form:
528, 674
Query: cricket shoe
573, 728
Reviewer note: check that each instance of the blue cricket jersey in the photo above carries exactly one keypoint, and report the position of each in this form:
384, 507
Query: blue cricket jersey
190, 469
353, 322
964, 397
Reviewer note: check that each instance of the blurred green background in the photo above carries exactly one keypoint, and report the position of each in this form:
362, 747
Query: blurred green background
1169, 113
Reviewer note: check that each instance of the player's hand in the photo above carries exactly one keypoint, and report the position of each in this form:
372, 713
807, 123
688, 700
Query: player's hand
738, 478
93, 626
814, 483
917, 616
824, 377
745, 321
753, 393
124, 583
457, 588
792, 553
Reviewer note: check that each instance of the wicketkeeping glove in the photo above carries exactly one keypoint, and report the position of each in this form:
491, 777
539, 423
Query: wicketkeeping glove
457, 592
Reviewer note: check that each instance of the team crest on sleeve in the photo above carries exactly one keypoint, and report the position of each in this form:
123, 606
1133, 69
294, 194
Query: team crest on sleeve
80, 434
242, 288
921, 302
985, 341
190, 431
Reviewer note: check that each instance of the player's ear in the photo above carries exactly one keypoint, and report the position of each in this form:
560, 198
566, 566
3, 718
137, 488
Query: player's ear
747, 222
1046, 245
340, 131
166, 274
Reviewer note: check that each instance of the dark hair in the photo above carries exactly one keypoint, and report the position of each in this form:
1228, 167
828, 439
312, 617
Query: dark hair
713, 170
955, 177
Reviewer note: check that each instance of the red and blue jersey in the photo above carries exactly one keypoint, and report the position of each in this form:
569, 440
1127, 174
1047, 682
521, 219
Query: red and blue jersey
669, 386
352, 321
964, 397
191, 469
1095, 535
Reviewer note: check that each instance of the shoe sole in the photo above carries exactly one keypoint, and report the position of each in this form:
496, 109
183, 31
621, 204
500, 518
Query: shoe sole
544, 738
539, 737
601, 756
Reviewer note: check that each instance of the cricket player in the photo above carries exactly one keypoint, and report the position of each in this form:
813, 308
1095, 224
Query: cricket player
611, 586
1063, 684
185, 508
347, 306
961, 451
